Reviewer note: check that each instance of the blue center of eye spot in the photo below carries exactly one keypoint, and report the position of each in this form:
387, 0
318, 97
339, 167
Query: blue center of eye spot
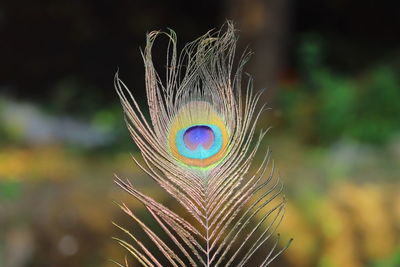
198, 135
199, 141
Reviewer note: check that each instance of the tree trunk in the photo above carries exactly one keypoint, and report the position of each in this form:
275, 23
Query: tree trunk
263, 25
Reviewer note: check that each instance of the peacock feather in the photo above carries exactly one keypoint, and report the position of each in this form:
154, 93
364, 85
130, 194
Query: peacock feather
200, 146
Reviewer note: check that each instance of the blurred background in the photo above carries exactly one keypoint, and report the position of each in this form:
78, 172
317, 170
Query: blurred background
332, 72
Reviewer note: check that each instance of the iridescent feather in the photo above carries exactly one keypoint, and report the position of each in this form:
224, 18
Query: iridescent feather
199, 147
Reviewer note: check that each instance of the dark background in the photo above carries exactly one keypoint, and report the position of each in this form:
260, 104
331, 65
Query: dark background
44, 43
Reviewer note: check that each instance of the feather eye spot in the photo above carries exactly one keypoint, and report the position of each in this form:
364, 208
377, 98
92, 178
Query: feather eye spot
198, 136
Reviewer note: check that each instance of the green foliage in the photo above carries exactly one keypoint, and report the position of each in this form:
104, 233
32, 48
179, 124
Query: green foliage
324, 106
334, 105
377, 110
392, 261
10, 190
